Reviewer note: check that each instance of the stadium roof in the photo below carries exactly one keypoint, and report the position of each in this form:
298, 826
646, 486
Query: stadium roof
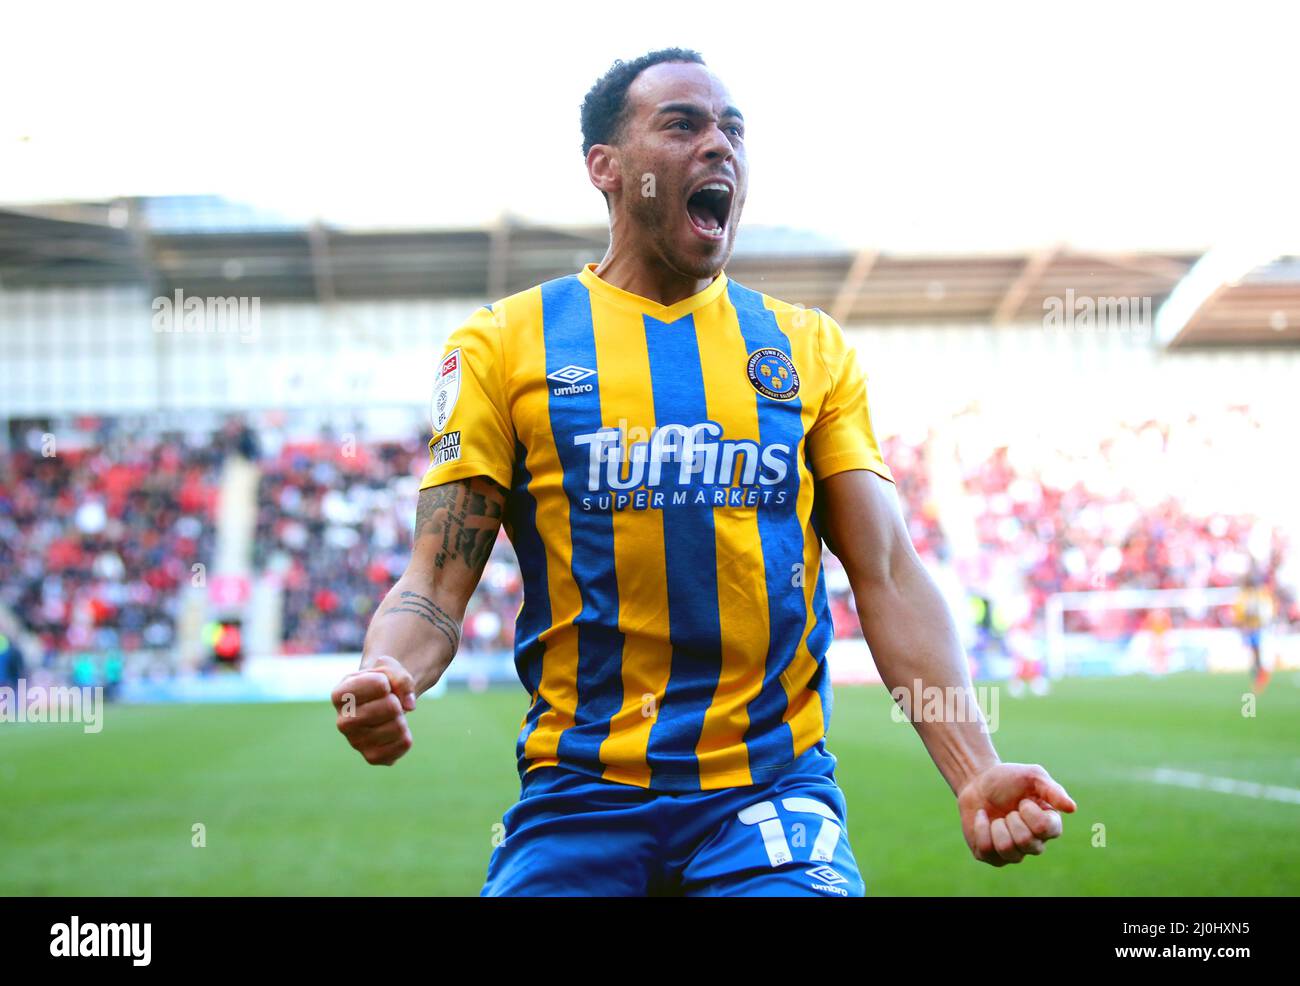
207, 246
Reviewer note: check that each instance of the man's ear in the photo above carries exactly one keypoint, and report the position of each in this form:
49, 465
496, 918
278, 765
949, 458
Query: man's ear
603, 168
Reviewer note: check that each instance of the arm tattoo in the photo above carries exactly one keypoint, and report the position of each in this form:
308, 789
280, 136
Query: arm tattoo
464, 516
430, 612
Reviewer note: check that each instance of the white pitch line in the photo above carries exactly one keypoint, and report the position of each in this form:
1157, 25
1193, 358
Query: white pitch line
1223, 785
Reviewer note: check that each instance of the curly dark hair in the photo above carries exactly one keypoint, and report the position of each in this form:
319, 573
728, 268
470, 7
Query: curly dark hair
606, 104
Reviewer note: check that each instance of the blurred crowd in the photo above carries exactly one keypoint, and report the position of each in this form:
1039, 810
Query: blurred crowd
99, 536
1101, 517
99, 529
335, 520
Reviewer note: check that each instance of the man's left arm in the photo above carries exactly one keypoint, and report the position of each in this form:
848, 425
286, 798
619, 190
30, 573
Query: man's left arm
1007, 810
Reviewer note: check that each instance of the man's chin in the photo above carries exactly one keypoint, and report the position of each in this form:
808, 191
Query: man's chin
703, 264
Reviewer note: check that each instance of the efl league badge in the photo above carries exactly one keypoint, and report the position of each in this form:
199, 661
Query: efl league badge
773, 374
446, 389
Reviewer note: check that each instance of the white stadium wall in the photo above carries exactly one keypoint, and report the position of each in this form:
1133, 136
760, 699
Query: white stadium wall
97, 351
921, 374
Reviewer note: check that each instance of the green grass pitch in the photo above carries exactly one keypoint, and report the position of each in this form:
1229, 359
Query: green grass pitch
288, 808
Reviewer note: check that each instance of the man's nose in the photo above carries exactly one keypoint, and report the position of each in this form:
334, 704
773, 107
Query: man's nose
717, 146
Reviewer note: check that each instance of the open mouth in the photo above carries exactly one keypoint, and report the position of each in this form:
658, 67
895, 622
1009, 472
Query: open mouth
708, 207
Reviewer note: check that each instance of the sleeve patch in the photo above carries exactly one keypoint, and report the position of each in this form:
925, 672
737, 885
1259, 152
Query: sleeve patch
446, 388
446, 449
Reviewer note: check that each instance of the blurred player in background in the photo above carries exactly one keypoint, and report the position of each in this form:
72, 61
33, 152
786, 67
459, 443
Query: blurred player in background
1253, 609
668, 450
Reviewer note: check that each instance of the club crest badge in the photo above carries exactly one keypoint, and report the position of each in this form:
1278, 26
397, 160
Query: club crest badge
446, 388
773, 374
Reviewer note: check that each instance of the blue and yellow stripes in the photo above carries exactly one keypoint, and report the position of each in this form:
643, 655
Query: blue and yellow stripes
640, 550
691, 564
678, 647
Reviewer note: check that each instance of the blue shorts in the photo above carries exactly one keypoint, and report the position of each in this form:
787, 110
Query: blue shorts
571, 835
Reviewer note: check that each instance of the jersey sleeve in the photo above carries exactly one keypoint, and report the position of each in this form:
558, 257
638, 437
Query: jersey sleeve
842, 437
470, 417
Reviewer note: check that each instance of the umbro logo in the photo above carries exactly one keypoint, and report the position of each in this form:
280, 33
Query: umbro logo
570, 374
828, 881
826, 875
571, 378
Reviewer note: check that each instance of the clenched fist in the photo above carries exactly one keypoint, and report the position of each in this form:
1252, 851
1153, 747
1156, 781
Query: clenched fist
372, 704
1010, 810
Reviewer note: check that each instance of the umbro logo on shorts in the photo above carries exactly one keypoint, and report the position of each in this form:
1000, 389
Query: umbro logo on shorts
826, 875
827, 880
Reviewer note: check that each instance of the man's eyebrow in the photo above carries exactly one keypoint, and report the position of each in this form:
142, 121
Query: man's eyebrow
694, 109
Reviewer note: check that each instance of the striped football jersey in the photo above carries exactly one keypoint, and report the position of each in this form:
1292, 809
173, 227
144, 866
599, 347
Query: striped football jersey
660, 465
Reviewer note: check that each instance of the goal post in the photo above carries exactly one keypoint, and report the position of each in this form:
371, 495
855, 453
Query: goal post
1173, 646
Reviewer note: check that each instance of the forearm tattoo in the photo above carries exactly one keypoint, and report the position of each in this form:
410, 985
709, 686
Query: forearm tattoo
429, 611
464, 516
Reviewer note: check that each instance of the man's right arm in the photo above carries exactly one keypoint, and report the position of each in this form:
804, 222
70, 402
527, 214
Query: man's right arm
416, 631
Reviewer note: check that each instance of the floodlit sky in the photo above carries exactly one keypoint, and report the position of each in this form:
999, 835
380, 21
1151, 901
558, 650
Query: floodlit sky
906, 127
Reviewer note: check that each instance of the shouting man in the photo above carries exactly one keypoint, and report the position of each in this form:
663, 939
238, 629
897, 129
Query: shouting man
668, 451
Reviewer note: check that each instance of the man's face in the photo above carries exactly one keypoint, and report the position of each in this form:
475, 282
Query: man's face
682, 165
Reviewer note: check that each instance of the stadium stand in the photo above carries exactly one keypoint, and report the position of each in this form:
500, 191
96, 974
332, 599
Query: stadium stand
335, 521
321, 390
106, 569
98, 540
